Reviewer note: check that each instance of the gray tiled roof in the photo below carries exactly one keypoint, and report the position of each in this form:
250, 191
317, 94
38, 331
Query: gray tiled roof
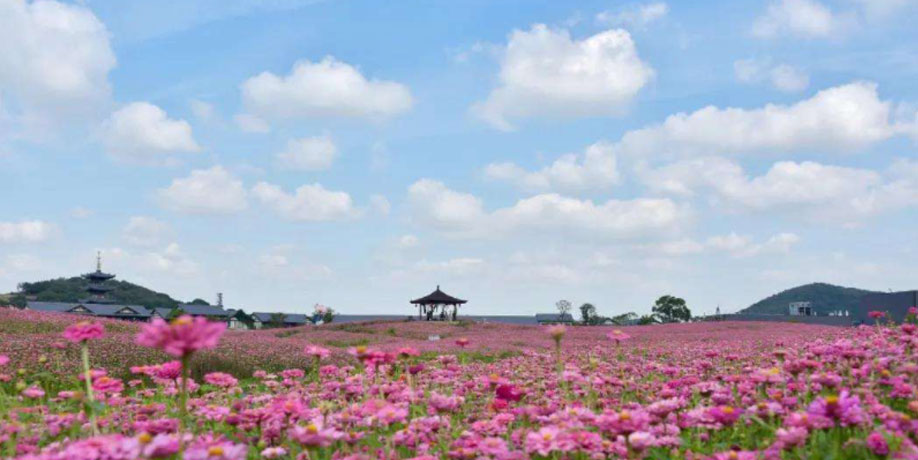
96, 309
289, 318
50, 306
204, 310
554, 317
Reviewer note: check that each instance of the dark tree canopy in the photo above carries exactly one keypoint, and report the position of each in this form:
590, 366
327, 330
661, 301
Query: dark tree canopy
671, 309
199, 302
74, 290
588, 313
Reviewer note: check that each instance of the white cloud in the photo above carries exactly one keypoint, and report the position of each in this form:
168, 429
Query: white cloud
170, 260
596, 168
26, 231
546, 73
80, 212
844, 118
802, 18
55, 59
635, 16
321, 89
462, 214
308, 153
251, 124
744, 246
307, 203
460, 266
203, 111
810, 188
782, 77
280, 263
142, 132
205, 191
23, 263
408, 241
145, 231
380, 205
680, 247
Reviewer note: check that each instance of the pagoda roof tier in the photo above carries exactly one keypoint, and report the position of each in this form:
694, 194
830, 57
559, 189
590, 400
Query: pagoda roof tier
98, 275
96, 287
438, 297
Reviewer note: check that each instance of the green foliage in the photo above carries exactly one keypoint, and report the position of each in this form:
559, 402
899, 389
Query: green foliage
671, 309
625, 318
277, 319
588, 313
648, 319
329, 316
199, 302
74, 289
823, 297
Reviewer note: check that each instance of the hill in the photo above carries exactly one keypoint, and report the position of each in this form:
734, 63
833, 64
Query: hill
74, 290
824, 298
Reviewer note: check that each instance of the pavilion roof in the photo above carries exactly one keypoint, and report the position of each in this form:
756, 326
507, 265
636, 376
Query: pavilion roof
438, 297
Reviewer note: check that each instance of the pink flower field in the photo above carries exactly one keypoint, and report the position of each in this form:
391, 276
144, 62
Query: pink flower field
191, 390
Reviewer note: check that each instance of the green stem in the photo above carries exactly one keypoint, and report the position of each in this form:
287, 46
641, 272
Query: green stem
184, 389
84, 352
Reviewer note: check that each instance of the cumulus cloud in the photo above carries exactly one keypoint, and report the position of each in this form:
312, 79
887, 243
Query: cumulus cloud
308, 153
306, 203
782, 77
408, 241
145, 231
813, 189
544, 72
802, 18
205, 191
281, 263
744, 246
380, 205
463, 215
55, 59
321, 89
634, 16
596, 168
251, 124
143, 132
843, 118
26, 231
202, 110
169, 260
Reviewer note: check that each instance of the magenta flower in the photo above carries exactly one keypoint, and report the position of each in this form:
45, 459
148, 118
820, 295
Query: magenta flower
617, 336
876, 314
170, 370
317, 352
4, 360
181, 337
462, 342
221, 379
508, 392
83, 331
877, 444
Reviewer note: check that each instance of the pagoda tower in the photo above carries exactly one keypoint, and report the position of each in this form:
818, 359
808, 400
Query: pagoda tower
98, 288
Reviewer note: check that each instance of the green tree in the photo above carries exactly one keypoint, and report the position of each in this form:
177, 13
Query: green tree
648, 319
588, 313
564, 307
277, 319
671, 309
625, 318
199, 302
328, 316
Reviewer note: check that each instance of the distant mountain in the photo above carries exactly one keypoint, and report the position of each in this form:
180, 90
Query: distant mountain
824, 298
74, 290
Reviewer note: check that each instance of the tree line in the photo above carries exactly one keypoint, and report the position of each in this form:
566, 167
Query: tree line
667, 309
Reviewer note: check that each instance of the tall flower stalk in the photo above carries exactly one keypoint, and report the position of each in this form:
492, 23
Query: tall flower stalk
82, 333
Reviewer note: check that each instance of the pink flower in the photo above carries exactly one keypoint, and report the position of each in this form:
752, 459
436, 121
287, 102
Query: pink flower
4, 360
216, 450
33, 392
791, 437
462, 342
314, 434
843, 408
183, 336
221, 379
106, 384
876, 314
406, 352
877, 444
169, 370
273, 452
543, 441
83, 331
159, 446
556, 331
317, 352
617, 336
508, 392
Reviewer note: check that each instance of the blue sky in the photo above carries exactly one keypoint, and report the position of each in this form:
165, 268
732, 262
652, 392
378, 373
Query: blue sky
289, 153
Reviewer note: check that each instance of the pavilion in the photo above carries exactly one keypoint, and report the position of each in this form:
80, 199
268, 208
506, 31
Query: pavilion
427, 305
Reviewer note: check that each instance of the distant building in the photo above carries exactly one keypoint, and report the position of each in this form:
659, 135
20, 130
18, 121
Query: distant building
97, 302
800, 309
277, 319
894, 304
554, 318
